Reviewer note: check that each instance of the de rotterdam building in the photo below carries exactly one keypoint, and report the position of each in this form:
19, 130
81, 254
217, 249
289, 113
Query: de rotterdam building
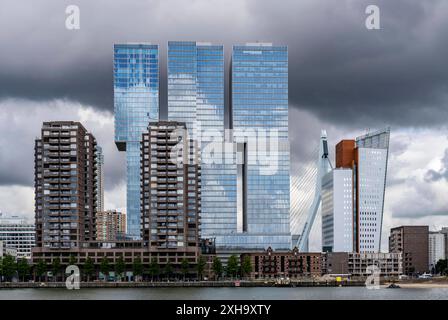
136, 103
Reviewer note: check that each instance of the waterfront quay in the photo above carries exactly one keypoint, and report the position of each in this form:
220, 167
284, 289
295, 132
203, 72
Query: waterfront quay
171, 284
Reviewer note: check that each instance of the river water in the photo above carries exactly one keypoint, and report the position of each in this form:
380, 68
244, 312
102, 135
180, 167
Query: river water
344, 293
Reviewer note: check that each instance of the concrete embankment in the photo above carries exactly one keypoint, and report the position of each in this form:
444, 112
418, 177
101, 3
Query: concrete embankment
5, 285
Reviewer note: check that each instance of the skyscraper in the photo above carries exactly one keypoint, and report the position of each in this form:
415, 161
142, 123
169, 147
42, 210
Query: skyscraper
357, 186
372, 155
259, 119
65, 185
136, 102
337, 211
196, 97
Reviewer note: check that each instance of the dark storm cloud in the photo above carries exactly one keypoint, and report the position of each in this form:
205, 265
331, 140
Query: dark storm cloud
21, 121
339, 70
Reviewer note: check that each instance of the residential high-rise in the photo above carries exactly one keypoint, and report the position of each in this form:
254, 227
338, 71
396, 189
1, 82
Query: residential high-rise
357, 186
259, 119
110, 225
100, 178
18, 234
196, 97
65, 185
170, 190
412, 242
136, 102
436, 249
66, 209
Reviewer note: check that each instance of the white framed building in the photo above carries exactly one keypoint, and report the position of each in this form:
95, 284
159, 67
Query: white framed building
371, 187
337, 211
436, 248
17, 234
353, 195
5, 251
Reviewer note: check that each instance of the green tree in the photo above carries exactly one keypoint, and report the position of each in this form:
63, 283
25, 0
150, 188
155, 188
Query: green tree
200, 267
442, 266
72, 260
9, 267
41, 269
246, 266
154, 269
137, 267
88, 268
1, 268
232, 266
120, 267
56, 268
104, 267
217, 267
23, 269
184, 266
168, 269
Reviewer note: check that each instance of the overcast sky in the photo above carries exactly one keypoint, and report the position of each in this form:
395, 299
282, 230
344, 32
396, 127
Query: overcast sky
343, 78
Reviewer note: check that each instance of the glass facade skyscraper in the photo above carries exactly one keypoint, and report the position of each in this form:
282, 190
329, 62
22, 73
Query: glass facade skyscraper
196, 97
245, 183
259, 109
244, 206
373, 151
136, 103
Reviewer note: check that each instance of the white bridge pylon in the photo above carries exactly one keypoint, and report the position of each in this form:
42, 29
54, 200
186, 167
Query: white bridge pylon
323, 166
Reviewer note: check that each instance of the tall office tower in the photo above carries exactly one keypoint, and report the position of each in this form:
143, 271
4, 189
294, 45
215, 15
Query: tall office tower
136, 103
436, 248
100, 178
65, 185
196, 97
196, 86
18, 234
412, 242
259, 109
170, 190
110, 225
371, 170
357, 186
337, 211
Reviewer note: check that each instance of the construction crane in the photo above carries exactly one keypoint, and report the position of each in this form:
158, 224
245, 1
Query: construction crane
323, 167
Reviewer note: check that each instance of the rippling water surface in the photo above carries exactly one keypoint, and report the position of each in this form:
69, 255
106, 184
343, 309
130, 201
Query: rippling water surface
357, 293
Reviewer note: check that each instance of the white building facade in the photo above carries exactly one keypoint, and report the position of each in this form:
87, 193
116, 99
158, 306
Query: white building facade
371, 188
436, 250
337, 211
16, 233
353, 195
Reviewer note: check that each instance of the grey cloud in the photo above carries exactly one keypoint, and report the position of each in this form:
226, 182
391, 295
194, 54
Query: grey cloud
21, 121
339, 71
433, 175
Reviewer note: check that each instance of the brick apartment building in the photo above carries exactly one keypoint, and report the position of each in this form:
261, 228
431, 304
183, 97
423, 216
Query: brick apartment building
412, 242
291, 264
